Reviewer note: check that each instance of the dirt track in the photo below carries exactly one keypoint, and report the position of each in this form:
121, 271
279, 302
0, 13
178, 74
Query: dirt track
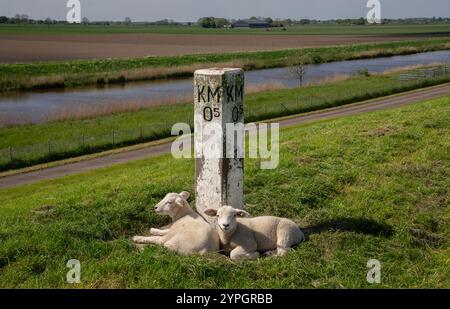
29, 48
351, 109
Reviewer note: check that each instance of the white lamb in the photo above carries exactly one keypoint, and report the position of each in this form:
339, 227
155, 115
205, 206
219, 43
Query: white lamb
246, 238
189, 233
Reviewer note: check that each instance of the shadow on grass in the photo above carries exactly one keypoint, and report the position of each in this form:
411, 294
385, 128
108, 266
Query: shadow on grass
357, 225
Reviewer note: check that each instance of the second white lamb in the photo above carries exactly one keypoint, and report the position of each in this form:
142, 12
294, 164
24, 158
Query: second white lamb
247, 238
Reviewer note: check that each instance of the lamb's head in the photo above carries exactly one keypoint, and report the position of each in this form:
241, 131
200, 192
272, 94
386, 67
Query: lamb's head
172, 203
226, 217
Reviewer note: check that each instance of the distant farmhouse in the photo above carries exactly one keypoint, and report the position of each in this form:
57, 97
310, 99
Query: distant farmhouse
251, 24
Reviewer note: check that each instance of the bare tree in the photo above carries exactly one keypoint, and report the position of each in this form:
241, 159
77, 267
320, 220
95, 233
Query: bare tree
22, 18
85, 21
298, 65
127, 21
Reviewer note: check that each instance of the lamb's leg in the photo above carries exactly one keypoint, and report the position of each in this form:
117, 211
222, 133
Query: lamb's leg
283, 251
159, 232
157, 240
270, 253
239, 253
166, 227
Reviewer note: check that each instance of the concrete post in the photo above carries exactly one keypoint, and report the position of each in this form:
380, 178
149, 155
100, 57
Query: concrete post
219, 100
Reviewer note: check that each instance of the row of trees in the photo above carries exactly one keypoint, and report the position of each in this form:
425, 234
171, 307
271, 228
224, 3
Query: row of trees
217, 22
17, 19
363, 21
24, 19
213, 22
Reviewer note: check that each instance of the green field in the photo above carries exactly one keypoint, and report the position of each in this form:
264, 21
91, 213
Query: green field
408, 29
109, 71
374, 186
74, 137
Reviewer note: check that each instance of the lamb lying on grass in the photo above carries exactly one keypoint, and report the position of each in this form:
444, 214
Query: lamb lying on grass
189, 233
246, 238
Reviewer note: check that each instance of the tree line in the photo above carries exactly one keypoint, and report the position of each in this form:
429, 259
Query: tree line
215, 22
219, 22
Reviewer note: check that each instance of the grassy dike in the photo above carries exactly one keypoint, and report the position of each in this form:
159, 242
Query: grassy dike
45, 75
30, 144
373, 186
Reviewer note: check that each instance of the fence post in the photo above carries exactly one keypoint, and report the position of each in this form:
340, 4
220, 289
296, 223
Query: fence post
219, 112
10, 151
113, 133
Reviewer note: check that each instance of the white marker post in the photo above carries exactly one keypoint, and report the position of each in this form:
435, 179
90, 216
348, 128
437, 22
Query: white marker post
219, 100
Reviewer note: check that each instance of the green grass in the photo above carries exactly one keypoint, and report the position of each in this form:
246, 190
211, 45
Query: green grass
30, 143
374, 186
410, 29
44, 75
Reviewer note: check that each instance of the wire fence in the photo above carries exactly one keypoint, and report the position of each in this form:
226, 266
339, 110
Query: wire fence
425, 73
82, 144
26, 155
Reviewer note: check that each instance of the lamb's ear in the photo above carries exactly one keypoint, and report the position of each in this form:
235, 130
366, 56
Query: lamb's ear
211, 212
180, 201
242, 213
185, 195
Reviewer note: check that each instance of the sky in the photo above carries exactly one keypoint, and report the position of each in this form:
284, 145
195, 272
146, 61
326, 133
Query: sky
191, 10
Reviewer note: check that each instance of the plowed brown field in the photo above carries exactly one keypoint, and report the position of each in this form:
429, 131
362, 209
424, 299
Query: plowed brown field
28, 48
